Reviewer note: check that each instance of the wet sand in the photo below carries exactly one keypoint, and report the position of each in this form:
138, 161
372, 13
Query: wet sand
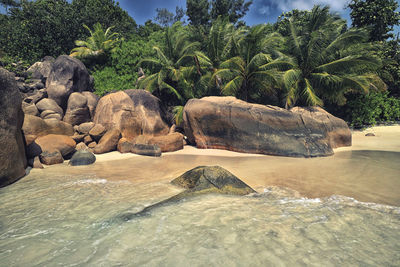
368, 171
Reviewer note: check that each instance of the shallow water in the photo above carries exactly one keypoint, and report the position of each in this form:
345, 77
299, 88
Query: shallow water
63, 215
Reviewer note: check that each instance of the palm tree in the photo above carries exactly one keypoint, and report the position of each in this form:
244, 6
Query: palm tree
325, 61
177, 67
255, 70
97, 46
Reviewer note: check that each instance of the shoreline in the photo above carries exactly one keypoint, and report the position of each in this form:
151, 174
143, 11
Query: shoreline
387, 138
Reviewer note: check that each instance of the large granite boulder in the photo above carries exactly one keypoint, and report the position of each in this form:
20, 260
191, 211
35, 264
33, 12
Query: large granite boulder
92, 101
77, 109
133, 112
52, 142
67, 75
41, 70
12, 149
232, 124
337, 130
34, 127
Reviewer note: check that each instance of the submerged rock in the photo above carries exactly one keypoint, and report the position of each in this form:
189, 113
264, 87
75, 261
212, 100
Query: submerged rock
200, 180
82, 157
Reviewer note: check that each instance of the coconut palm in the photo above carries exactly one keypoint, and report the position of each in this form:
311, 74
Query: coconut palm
255, 70
98, 45
326, 61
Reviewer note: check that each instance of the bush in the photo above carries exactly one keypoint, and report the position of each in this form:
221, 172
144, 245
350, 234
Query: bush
108, 80
372, 108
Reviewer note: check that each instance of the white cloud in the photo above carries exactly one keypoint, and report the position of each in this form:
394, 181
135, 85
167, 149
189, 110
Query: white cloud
288, 5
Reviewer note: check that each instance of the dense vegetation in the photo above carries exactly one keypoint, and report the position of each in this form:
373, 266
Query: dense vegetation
305, 58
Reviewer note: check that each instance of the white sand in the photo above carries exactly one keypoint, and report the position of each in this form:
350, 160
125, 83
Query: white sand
387, 138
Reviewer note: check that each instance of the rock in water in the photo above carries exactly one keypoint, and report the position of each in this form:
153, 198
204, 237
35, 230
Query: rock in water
82, 157
212, 179
12, 150
67, 75
232, 124
200, 180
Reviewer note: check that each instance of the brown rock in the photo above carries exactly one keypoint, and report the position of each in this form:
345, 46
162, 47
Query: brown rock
84, 128
124, 146
12, 150
67, 75
87, 139
146, 150
92, 101
108, 142
141, 139
37, 164
49, 104
78, 138
370, 134
133, 112
77, 109
168, 143
97, 132
34, 127
50, 114
232, 124
336, 130
64, 144
51, 157
81, 146
30, 109
92, 145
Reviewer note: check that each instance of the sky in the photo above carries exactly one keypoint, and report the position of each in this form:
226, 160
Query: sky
260, 11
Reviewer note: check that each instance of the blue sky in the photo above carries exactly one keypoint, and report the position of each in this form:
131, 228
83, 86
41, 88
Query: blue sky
261, 11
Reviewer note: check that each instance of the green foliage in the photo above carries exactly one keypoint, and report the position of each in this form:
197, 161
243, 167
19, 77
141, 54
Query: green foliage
198, 12
327, 61
371, 108
97, 47
109, 80
49, 27
379, 15
234, 9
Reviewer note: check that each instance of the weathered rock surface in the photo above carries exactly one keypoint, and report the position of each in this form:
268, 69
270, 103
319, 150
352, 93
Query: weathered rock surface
67, 75
34, 127
168, 143
30, 109
78, 137
81, 146
146, 150
232, 124
133, 112
49, 104
12, 149
108, 142
97, 132
50, 114
82, 157
124, 146
85, 128
200, 180
51, 157
77, 109
36, 96
336, 130
41, 70
52, 142
92, 101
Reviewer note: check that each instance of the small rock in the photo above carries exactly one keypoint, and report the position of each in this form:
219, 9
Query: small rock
97, 132
108, 142
370, 134
87, 139
51, 158
146, 150
84, 128
82, 157
49, 104
81, 146
78, 138
92, 145
124, 146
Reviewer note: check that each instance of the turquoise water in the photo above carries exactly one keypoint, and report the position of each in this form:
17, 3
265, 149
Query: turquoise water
63, 215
